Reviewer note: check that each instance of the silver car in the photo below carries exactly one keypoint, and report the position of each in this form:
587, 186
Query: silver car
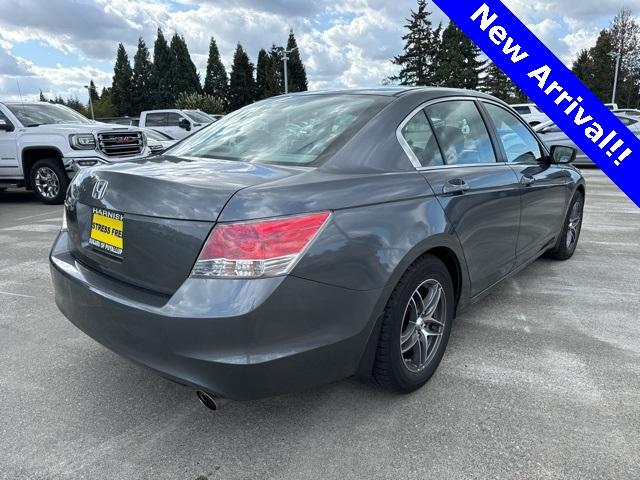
551, 134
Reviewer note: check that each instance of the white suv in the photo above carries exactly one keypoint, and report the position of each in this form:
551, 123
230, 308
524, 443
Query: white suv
42, 145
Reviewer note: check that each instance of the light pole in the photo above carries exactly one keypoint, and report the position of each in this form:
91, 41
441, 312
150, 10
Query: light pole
615, 55
285, 57
90, 101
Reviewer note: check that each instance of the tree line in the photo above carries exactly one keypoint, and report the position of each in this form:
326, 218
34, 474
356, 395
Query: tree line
596, 66
447, 57
170, 79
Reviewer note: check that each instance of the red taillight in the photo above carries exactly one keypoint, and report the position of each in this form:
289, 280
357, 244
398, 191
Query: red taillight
258, 248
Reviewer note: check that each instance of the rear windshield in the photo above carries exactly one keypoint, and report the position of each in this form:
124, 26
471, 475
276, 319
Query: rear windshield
295, 130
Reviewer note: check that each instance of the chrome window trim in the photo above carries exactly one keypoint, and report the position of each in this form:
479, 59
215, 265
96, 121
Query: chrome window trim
412, 156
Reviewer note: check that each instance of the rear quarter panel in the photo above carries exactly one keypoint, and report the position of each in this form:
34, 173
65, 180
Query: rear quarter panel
380, 224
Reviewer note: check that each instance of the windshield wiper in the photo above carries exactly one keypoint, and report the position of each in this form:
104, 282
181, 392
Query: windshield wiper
36, 124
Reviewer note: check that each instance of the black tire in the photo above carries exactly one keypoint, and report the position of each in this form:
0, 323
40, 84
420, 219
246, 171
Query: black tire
568, 240
53, 190
391, 370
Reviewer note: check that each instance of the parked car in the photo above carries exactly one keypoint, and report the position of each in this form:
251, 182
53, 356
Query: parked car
629, 112
158, 141
551, 134
611, 106
531, 113
43, 145
175, 123
311, 237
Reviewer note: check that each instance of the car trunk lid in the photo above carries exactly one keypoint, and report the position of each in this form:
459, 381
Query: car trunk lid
144, 223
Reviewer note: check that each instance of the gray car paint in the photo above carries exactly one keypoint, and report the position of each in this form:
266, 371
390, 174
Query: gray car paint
252, 338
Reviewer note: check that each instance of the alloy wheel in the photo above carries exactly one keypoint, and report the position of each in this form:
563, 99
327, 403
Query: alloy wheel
573, 228
47, 183
422, 325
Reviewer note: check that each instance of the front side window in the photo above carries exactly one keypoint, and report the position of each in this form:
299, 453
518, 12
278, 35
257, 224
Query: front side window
296, 130
461, 133
420, 138
173, 119
519, 144
34, 114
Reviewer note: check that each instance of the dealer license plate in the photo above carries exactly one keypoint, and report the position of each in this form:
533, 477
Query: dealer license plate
107, 231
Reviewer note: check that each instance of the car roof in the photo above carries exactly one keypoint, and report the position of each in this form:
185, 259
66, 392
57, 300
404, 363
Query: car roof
423, 93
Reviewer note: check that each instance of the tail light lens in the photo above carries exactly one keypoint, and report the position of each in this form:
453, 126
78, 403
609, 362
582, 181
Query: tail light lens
258, 248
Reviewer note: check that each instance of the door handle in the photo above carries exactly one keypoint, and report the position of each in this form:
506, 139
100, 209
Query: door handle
527, 180
456, 186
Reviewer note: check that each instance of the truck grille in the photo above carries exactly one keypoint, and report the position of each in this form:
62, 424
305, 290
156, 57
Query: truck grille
120, 144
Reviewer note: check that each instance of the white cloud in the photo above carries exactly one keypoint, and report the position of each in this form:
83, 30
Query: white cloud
342, 42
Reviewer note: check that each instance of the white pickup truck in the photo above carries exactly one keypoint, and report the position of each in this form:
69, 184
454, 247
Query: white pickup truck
42, 145
175, 123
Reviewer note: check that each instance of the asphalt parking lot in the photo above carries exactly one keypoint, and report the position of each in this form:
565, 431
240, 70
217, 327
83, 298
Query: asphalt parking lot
541, 380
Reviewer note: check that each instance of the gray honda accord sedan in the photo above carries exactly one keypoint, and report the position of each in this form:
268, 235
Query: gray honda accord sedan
312, 237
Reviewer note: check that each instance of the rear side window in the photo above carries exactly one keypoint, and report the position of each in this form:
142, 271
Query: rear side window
156, 120
522, 110
461, 133
520, 145
420, 138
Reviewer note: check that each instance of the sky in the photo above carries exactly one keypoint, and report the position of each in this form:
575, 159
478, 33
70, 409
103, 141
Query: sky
58, 46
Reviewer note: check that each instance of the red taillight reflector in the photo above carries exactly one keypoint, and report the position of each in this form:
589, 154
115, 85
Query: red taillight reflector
258, 248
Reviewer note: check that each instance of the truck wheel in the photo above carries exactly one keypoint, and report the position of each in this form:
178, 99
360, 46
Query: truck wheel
49, 181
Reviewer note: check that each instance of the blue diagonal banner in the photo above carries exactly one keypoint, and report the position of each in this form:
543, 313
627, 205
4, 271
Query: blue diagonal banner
552, 86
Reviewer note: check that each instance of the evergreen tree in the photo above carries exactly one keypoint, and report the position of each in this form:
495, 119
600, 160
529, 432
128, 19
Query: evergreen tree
161, 87
216, 82
93, 92
600, 79
141, 94
418, 61
103, 107
242, 84
457, 60
42, 97
184, 76
582, 67
274, 82
121, 87
296, 73
498, 84
262, 71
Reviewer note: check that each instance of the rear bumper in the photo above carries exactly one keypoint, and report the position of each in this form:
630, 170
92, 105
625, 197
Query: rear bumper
240, 339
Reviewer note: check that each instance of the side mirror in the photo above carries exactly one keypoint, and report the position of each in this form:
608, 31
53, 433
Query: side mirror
184, 123
5, 127
563, 154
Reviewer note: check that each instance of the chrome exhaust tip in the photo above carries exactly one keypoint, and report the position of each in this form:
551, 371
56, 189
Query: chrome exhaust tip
212, 402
